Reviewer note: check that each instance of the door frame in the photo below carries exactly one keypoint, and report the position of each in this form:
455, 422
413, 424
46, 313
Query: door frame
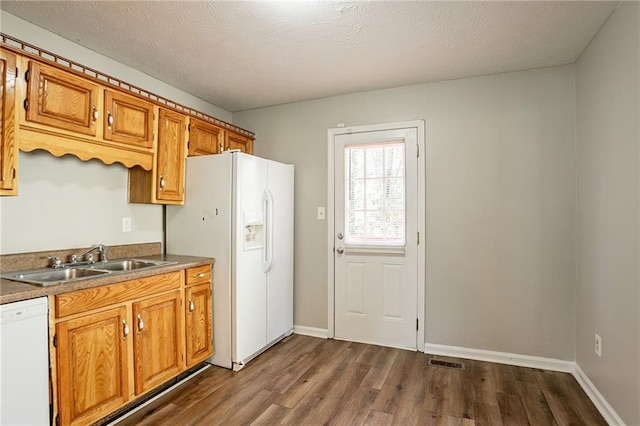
332, 133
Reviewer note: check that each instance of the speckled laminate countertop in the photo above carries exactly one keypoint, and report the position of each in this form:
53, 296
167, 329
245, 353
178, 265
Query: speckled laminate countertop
13, 291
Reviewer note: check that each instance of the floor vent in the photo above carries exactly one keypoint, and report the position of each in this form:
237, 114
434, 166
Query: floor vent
439, 363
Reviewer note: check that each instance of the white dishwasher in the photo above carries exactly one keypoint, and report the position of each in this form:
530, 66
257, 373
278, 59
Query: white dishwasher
24, 363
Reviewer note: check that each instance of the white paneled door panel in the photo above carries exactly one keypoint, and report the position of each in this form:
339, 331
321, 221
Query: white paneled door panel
375, 237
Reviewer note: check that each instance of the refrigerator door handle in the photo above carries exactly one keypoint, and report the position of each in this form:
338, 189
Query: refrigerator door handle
267, 251
265, 221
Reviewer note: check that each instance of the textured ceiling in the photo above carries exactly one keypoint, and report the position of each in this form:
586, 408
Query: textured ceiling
243, 55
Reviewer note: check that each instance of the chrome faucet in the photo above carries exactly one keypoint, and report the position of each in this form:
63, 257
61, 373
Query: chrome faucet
88, 255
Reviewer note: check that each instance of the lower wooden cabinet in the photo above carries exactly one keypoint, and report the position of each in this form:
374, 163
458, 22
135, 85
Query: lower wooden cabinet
93, 365
198, 309
157, 342
117, 342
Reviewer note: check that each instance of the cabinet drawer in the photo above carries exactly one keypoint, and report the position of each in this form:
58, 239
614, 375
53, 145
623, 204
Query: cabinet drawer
199, 274
92, 298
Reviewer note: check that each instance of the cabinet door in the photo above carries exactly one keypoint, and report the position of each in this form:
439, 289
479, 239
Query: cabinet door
205, 138
92, 366
198, 323
157, 341
128, 120
8, 147
236, 141
170, 156
60, 99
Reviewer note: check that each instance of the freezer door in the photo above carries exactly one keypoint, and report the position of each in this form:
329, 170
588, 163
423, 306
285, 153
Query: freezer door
249, 292
202, 227
280, 246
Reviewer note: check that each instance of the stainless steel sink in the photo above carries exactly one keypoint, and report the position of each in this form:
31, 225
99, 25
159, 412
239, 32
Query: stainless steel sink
50, 276
129, 264
54, 276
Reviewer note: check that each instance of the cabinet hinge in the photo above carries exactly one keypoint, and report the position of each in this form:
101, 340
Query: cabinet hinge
189, 127
17, 72
418, 238
27, 75
55, 340
14, 173
416, 324
26, 104
188, 143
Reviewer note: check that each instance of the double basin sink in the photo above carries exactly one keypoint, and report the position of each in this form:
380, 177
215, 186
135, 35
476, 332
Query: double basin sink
50, 276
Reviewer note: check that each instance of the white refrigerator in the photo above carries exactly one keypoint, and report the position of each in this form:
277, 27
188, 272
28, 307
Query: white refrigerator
239, 210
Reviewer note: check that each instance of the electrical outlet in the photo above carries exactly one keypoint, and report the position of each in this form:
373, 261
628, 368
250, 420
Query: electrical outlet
126, 224
598, 345
321, 214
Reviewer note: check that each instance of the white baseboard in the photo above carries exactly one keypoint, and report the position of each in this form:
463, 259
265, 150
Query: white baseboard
596, 397
501, 357
310, 331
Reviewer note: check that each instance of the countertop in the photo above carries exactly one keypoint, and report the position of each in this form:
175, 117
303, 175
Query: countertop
13, 291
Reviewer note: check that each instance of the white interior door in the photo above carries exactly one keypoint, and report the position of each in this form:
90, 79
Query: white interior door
376, 236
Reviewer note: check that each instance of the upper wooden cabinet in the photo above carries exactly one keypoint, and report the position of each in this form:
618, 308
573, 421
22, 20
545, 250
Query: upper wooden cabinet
8, 144
205, 138
54, 104
59, 99
164, 184
170, 156
64, 113
237, 141
127, 119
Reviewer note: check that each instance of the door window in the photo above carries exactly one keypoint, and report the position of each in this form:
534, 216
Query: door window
375, 201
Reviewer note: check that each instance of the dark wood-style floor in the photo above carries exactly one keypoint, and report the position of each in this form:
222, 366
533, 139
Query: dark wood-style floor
309, 381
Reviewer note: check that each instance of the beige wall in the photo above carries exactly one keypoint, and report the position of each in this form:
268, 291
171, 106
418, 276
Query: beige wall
608, 136
64, 202
500, 196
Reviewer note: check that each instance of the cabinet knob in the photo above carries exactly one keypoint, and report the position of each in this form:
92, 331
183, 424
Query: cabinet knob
140, 324
161, 182
94, 114
192, 306
109, 119
125, 330
200, 275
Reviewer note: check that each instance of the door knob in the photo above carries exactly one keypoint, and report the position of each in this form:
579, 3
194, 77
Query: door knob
340, 250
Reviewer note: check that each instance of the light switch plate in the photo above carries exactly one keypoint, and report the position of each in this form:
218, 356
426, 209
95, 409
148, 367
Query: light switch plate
126, 224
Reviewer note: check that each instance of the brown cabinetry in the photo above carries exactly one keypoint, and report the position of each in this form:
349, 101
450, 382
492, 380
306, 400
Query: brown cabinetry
205, 138
60, 99
164, 184
92, 365
198, 315
157, 341
65, 113
116, 342
237, 141
170, 157
127, 119
8, 144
